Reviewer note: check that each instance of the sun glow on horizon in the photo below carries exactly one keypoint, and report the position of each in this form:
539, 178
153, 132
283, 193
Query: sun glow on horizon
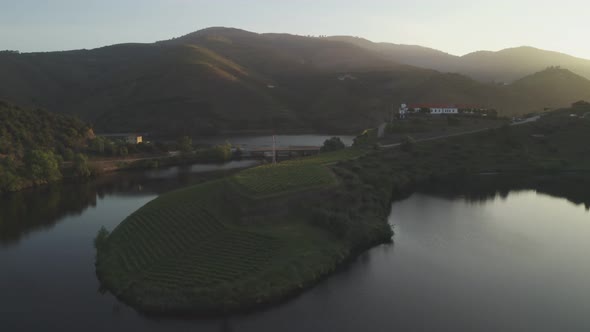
455, 26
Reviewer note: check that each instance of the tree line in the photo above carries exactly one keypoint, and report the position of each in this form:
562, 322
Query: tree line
35, 143
38, 147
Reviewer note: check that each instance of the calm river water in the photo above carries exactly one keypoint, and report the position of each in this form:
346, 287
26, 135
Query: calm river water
267, 141
515, 261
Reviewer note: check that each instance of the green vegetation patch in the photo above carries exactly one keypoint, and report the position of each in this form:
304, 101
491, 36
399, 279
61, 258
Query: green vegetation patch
189, 251
204, 249
332, 157
273, 179
293, 175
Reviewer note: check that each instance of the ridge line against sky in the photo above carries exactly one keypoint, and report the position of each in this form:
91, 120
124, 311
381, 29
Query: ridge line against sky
456, 27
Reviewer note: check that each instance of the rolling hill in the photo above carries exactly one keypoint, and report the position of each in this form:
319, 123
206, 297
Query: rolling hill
221, 80
514, 63
504, 66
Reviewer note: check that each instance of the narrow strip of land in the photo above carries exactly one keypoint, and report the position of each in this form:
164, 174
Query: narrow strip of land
529, 120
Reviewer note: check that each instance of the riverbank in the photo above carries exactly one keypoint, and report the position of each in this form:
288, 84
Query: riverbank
210, 150
267, 233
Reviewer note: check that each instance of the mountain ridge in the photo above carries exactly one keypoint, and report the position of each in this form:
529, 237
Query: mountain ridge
225, 80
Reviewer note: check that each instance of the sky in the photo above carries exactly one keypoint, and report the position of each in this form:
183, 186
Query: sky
454, 26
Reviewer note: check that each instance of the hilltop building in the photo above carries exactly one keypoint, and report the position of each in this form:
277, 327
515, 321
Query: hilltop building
440, 109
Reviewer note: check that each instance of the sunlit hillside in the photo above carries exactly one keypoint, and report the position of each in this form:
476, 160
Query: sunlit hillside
229, 80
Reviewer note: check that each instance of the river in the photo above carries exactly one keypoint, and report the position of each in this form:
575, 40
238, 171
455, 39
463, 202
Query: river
462, 260
267, 140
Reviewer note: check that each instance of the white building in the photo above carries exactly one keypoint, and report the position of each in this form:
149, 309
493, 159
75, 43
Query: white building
435, 108
403, 111
427, 109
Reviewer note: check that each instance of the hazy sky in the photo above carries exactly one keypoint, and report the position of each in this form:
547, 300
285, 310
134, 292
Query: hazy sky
454, 26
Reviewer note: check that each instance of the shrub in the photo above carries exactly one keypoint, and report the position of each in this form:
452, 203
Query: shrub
68, 154
336, 223
218, 153
368, 137
101, 237
43, 166
81, 167
185, 144
332, 144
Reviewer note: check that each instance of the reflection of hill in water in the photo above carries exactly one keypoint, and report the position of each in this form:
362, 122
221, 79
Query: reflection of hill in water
573, 187
31, 210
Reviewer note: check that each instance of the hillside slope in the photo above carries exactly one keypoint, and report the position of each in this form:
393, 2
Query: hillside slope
504, 66
514, 63
222, 80
553, 87
412, 55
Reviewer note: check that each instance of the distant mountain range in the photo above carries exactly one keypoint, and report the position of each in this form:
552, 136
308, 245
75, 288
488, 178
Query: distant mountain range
230, 80
504, 66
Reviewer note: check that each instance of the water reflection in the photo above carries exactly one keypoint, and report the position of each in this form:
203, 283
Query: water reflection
464, 259
479, 189
266, 141
41, 208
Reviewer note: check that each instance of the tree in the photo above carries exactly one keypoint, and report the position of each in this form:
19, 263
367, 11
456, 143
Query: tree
112, 149
101, 238
9, 179
98, 145
218, 153
68, 154
369, 136
123, 151
43, 166
332, 144
224, 151
185, 144
81, 167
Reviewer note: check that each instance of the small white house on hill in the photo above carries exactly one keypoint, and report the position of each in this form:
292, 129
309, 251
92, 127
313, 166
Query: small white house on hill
441, 109
432, 108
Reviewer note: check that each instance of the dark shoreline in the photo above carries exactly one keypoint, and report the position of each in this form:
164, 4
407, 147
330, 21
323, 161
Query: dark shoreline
260, 307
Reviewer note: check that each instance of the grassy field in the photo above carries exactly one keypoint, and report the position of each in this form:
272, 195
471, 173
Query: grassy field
280, 178
293, 175
268, 232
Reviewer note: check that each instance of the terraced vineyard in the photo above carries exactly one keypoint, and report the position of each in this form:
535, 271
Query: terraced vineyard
293, 175
182, 245
213, 261
332, 157
273, 179
196, 249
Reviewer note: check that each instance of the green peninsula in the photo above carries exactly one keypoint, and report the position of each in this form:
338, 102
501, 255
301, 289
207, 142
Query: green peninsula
269, 232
